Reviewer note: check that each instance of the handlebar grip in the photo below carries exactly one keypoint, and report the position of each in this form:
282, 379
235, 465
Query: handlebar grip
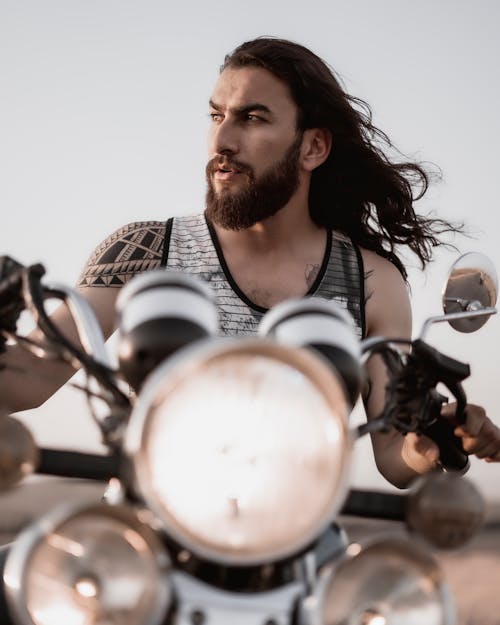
11, 273
78, 464
10, 284
451, 452
375, 505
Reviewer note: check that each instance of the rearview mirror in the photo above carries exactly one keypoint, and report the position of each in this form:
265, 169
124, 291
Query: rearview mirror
472, 286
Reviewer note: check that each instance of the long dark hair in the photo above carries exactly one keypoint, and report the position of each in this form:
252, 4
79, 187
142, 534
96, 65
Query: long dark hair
358, 190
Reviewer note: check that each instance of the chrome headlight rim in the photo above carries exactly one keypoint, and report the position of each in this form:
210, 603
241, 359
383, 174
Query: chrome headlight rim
175, 368
24, 549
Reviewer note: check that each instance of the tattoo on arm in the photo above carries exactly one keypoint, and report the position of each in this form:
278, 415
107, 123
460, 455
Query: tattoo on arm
135, 248
368, 294
367, 391
311, 273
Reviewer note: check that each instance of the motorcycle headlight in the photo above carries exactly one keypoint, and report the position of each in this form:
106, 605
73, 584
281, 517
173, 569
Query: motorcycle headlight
90, 565
241, 448
388, 582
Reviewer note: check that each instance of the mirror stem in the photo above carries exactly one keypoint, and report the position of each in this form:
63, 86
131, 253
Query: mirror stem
470, 314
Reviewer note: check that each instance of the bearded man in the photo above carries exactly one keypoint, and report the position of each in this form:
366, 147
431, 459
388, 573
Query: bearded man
301, 200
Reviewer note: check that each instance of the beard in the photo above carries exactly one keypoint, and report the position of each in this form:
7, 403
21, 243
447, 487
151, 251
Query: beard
260, 198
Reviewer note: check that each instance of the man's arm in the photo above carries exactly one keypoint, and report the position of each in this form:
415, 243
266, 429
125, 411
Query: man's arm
27, 381
388, 314
401, 458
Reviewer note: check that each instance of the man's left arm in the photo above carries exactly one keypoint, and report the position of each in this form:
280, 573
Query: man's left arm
402, 458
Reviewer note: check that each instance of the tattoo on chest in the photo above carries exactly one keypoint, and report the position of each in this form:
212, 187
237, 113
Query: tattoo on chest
135, 248
368, 293
311, 273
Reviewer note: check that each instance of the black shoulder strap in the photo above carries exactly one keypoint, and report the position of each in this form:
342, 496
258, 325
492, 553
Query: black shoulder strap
166, 242
362, 295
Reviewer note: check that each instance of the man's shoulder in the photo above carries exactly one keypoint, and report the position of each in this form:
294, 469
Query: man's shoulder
374, 262
131, 249
381, 274
386, 295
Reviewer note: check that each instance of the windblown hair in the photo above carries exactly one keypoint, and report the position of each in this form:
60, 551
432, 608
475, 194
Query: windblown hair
358, 190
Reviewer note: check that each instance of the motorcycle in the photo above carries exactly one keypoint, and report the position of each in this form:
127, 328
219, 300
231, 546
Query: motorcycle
228, 464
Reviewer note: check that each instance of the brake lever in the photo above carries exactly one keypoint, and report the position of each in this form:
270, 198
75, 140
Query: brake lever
414, 404
450, 372
447, 370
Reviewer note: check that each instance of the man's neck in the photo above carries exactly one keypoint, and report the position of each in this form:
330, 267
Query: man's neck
276, 259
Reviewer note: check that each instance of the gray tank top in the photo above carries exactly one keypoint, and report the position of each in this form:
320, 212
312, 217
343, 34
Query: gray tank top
191, 245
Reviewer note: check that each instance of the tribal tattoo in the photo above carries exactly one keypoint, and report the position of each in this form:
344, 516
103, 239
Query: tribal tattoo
135, 248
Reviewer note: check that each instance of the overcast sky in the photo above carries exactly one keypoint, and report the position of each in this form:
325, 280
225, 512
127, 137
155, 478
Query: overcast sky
103, 117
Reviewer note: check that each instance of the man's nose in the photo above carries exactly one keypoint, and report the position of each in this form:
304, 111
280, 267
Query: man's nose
225, 138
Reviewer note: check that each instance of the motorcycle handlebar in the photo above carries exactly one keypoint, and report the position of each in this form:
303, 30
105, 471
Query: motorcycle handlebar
361, 503
78, 464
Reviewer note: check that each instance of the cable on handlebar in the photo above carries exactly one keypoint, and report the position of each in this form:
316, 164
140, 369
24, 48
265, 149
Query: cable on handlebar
34, 298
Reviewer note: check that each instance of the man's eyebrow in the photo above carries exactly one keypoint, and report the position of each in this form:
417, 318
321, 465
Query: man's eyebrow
242, 110
213, 105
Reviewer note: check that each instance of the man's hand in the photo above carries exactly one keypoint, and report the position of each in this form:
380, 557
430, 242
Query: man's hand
420, 453
480, 436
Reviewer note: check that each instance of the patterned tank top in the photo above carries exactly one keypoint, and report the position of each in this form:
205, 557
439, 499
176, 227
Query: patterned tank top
191, 245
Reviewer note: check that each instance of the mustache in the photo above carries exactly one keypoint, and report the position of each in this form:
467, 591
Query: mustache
223, 162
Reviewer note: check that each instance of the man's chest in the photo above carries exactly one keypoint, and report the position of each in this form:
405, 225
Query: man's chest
270, 284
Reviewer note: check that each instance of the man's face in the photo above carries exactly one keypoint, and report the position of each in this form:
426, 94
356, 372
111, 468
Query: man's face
254, 148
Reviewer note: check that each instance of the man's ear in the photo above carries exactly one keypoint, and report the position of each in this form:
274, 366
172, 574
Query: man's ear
316, 146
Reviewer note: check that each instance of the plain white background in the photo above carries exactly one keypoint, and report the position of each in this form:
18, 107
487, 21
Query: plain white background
103, 116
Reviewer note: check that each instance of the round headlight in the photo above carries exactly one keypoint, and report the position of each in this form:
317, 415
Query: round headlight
388, 582
90, 565
241, 448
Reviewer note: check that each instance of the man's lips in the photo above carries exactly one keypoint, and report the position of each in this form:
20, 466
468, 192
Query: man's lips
226, 173
230, 168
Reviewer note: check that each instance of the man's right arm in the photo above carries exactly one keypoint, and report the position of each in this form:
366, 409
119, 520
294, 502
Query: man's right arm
27, 381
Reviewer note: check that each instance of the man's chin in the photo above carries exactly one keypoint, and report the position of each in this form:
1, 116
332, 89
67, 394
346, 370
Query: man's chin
231, 217
228, 221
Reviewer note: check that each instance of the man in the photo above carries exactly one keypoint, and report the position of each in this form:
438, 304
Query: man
301, 200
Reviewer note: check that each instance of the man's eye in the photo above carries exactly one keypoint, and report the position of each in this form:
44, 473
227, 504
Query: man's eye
215, 117
252, 118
